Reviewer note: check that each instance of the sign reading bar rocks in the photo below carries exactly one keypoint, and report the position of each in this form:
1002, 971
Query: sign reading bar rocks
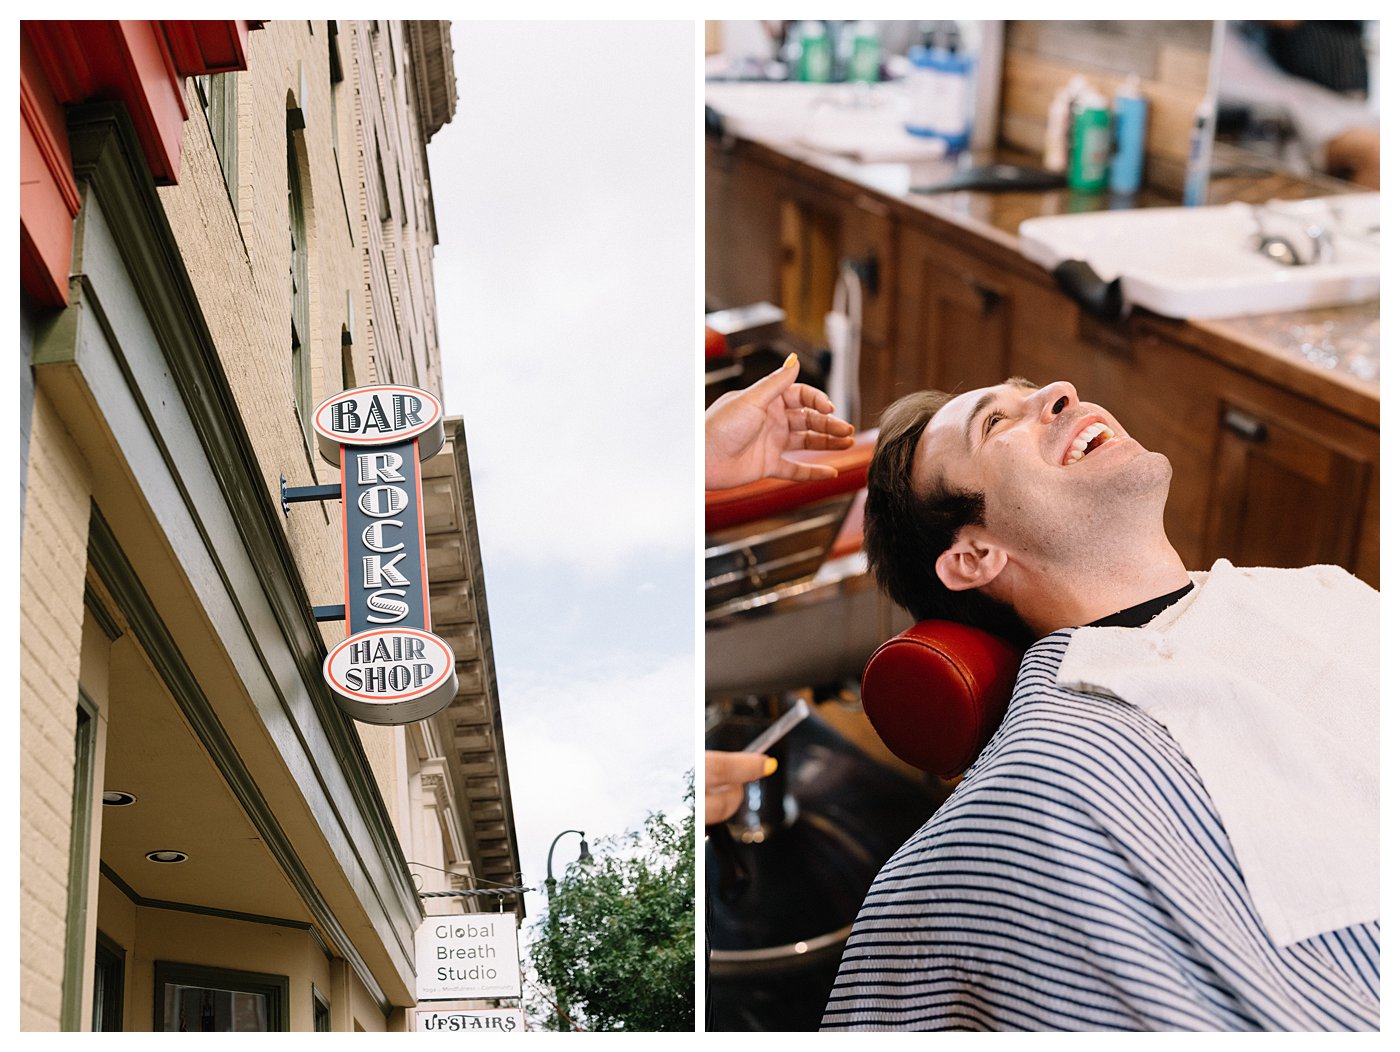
503, 1020
467, 955
390, 669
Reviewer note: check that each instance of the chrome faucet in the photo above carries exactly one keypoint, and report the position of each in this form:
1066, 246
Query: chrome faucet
1284, 251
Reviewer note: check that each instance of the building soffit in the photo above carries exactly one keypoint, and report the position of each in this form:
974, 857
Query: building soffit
470, 729
163, 391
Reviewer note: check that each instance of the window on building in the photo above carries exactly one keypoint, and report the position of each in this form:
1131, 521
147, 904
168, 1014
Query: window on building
301, 304
108, 976
347, 360
337, 74
218, 1000
383, 184
218, 95
320, 1012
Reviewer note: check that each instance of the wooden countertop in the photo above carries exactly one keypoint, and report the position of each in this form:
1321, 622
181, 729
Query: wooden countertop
1292, 350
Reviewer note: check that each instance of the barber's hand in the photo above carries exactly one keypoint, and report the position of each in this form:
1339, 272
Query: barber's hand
748, 432
725, 776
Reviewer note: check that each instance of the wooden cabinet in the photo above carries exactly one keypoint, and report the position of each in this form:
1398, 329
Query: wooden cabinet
822, 232
773, 236
741, 230
953, 321
1288, 485
1261, 474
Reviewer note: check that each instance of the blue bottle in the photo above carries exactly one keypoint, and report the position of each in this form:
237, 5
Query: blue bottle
940, 92
1129, 138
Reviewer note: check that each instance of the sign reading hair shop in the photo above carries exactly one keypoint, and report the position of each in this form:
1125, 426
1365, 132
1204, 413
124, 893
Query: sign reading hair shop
502, 1020
390, 669
467, 955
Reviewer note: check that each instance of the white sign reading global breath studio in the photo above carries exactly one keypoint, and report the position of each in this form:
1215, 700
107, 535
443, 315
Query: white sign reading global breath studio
390, 669
467, 955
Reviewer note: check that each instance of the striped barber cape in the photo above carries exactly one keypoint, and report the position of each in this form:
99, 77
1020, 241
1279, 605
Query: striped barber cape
1079, 878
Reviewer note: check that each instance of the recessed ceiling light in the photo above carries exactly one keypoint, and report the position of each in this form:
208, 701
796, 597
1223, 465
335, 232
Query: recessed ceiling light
118, 798
167, 856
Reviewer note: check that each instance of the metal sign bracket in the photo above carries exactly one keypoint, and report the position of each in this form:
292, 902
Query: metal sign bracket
299, 494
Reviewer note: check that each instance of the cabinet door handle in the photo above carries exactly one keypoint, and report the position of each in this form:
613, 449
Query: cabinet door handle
991, 298
1245, 426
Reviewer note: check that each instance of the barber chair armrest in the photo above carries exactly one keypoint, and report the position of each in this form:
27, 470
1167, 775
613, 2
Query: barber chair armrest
758, 500
937, 692
716, 346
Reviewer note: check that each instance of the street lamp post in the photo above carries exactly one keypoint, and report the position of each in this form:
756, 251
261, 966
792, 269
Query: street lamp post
583, 856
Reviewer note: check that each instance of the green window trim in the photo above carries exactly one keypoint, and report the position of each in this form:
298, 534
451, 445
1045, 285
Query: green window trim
320, 1011
273, 987
300, 272
108, 986
218, 95
79, 853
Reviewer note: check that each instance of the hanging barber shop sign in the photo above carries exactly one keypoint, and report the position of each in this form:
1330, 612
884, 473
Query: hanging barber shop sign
390, 669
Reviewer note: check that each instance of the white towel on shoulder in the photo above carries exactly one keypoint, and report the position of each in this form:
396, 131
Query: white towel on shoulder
1269, 680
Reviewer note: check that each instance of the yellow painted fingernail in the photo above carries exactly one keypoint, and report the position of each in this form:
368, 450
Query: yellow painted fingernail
790, 361
769, 766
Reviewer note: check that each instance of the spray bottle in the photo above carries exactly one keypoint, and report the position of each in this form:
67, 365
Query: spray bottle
940, 91
1056, 157
814, 65
1088, 154
1198, 160
1129, 138
865, 54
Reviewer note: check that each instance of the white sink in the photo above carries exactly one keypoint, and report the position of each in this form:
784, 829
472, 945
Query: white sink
1204, 262
865, 121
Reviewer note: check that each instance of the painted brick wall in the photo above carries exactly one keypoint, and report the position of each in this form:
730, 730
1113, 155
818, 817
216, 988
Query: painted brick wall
240, 269
239, 264
52, 565
368, 276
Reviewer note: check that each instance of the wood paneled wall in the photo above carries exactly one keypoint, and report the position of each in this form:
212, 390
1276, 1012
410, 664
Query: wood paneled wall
1172, 59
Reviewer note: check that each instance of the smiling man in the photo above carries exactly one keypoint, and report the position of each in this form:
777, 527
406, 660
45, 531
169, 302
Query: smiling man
1176, 826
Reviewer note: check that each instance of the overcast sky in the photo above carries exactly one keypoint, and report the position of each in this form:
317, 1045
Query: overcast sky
565, 273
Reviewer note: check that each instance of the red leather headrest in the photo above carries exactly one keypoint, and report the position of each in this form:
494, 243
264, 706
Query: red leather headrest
936, 693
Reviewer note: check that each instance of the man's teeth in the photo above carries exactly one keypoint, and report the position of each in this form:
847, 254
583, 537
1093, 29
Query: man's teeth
1081, 444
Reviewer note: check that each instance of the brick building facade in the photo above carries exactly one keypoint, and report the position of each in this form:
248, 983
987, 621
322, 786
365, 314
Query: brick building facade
222, 224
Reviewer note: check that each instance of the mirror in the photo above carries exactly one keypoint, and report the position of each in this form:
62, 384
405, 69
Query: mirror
965, 56
1300, 97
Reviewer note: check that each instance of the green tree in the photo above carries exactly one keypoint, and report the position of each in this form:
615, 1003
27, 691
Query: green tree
616, 948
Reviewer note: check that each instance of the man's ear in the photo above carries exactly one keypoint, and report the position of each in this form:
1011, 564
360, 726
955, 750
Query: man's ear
972, 561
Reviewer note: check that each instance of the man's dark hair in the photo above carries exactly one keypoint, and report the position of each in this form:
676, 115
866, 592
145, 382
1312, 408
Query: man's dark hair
906, 532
